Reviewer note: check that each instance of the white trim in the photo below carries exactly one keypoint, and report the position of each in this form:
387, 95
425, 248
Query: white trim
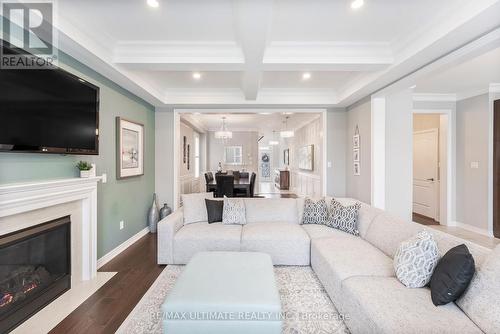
431, 97
177, 149
494, 88
472, 228
25, 197
324, 182
120, 248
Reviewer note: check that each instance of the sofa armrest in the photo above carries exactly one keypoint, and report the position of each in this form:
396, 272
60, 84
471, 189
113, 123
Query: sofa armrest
167, 228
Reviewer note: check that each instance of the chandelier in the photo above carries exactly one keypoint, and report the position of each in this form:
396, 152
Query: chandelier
287, 133
223, 133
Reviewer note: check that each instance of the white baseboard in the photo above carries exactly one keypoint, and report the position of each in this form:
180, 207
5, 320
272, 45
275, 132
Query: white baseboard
472, 228
120, 248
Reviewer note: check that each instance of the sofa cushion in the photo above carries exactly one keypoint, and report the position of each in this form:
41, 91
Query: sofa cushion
195, 209
344, 217
315, 211
234, 211
384, 305
214, 210
387, 232
446, 241
452, 275
199, 237
288, 244
320, 231
271, 210
344, 255
480, 300
366, 213
416, 259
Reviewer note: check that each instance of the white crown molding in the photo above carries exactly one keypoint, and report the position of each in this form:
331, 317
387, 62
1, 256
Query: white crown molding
340, 53
467, 95
430, 97
494, 88
269, 96
177, 52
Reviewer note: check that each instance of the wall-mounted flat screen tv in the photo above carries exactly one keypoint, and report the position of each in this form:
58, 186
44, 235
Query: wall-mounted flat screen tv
48, 111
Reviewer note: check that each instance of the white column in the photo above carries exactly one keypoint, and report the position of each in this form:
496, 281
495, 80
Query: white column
392, 153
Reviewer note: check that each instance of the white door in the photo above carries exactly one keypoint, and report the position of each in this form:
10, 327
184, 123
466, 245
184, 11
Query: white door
425, 173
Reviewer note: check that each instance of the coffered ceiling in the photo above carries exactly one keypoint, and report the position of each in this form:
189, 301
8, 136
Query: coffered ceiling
256, 52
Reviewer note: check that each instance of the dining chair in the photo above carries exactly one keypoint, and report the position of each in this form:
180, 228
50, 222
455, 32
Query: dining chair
252, 184
225, 185
236, 174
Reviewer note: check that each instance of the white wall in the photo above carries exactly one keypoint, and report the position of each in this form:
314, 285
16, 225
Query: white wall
399, 154
305, 182
164, 151
336, 147
359, 186
472, 117
246, 139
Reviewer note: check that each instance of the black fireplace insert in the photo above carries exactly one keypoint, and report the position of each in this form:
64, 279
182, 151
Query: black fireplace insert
35, 268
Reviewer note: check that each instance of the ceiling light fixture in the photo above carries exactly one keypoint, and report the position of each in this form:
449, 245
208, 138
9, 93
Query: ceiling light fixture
306, 76
287, 133
196, 75
223, 133
274, 142
357, 4
153, 3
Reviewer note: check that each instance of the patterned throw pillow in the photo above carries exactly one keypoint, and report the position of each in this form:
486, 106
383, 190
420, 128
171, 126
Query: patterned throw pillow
315, 212
344, 218
234, 211
416, 259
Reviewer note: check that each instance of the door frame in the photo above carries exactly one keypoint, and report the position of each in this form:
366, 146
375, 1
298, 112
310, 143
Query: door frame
178, 111
437, 185
496, 169
447, 174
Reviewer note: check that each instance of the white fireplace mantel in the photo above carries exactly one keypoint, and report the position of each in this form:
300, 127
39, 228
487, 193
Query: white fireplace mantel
19, 198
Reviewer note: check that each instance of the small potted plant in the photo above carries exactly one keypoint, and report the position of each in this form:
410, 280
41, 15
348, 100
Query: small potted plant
85, 168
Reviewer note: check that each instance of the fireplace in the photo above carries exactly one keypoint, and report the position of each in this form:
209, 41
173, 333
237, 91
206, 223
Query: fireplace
35, 268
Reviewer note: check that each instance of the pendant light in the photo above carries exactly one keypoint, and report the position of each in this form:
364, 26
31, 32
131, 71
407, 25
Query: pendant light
223, 133
273, 141
287, 133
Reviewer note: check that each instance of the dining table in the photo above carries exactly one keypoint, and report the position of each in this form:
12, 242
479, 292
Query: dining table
241, 183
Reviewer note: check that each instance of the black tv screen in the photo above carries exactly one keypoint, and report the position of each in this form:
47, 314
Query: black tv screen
48, 111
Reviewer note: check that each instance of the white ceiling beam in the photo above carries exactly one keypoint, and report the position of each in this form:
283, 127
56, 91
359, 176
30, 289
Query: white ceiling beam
179, 55
338, 56
252, 21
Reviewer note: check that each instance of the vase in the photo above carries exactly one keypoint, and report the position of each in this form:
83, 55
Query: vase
165, 211
153, 216
85, 173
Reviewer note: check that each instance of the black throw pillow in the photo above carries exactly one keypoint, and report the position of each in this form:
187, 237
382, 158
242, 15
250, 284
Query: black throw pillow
452, 275
214, 210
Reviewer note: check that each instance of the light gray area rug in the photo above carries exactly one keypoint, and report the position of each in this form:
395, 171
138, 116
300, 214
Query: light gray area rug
305, 303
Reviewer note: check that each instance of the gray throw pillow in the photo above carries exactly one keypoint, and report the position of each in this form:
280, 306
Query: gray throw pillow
315, 212
234, 211
344, 218
416, 259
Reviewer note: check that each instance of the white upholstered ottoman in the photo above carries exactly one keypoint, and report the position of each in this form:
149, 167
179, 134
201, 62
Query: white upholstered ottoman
224, 292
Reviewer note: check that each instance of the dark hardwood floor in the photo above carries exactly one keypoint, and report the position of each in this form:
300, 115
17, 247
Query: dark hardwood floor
424, 220
105, 310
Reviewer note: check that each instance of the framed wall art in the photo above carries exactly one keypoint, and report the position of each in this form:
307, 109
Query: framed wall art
129, 148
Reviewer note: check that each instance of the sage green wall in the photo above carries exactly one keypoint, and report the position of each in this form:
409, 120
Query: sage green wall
126, 200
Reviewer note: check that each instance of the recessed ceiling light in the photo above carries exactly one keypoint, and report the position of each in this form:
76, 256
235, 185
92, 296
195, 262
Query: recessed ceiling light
153, 3
196, 75
306, 76
357, 4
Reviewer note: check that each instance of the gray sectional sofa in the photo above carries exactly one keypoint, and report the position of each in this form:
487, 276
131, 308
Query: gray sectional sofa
357, 272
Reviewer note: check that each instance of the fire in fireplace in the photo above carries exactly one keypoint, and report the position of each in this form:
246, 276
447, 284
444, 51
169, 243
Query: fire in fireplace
35, 268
